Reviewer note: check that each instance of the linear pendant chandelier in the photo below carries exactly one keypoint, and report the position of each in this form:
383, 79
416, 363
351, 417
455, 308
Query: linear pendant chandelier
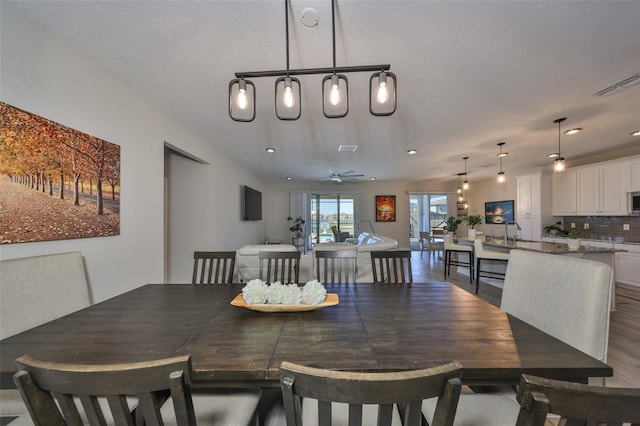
335, 87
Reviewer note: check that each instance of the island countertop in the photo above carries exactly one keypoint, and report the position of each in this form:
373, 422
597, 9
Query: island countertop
545, 247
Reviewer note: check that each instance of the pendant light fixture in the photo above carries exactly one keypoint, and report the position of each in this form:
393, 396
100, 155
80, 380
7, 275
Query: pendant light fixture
501, 176
335, 87
558, 163
465, 183
459, 190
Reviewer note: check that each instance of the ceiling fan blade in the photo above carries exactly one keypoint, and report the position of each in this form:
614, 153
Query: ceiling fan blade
346, 173
343, 175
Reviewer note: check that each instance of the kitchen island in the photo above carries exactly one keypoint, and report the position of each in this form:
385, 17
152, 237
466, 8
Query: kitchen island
598, 254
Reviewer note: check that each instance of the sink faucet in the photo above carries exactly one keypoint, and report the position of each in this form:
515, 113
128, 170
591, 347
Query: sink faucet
506, 231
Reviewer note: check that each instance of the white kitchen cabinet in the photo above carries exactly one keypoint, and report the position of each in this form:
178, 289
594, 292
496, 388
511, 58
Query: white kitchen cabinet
600, 191
634, 176
563, 201
628, 265
529, 207
528, 195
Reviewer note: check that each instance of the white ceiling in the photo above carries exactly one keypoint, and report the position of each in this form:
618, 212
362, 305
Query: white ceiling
470, 74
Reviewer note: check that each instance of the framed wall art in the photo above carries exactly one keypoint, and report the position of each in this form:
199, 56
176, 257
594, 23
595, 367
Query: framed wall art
385, 208
56, 182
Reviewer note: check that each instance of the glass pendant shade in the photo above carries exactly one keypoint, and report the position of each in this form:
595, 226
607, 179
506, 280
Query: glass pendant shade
288, 98
465, 184
501, 177
383, 95
335, 96
242, 100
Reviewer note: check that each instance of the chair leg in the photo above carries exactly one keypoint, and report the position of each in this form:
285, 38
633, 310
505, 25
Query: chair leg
477, 274
470, 268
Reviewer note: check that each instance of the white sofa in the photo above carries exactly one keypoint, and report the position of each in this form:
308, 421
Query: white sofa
364, 244
248, 263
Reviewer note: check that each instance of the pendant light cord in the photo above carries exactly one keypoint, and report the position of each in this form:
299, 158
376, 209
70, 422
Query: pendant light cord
286, 26
333, 29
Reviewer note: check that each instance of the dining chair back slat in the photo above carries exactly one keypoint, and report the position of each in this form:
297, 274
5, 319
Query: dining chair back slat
213, 267
391, 266
148, 384
339, 266
279, 266
575, 403
303, 386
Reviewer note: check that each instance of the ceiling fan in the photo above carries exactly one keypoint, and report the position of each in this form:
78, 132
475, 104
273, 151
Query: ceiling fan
349, 176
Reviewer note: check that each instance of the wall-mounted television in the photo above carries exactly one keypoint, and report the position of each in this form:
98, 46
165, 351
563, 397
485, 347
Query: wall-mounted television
498, 212
251, 204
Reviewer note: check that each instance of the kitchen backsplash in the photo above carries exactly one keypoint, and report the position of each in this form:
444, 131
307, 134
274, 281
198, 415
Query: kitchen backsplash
608, 228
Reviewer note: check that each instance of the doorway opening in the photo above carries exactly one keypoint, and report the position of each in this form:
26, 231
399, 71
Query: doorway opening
426, 212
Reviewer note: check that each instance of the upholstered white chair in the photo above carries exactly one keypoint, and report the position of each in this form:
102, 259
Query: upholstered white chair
567, 298
460, 251
489, 256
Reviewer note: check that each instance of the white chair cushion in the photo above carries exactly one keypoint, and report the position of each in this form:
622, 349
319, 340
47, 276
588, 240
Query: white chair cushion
480, 409
219, 407
340, 414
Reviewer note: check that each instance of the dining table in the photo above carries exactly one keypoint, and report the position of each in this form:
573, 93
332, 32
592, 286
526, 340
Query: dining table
372, 328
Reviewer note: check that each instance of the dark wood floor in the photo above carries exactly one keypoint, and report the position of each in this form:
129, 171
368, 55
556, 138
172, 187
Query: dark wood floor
624, 331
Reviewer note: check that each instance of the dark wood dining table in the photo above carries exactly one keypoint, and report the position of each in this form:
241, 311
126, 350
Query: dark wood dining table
374, 327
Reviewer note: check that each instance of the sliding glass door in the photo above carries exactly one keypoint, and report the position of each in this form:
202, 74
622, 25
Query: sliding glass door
332, 217
427, 212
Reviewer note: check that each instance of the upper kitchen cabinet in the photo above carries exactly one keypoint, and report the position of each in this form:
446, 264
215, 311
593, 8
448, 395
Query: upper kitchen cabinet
600, 190
631, 175
564, 201
533, 205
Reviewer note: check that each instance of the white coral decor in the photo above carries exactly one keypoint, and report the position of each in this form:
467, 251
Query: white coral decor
258, 292
313, 293
275, 293
255, 292
292, 295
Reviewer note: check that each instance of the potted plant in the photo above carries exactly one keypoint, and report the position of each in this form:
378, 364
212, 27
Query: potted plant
452, 224
573, 239
472, 222
297, 228
555, 230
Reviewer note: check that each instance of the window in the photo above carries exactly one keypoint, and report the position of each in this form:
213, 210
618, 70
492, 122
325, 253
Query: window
333, 217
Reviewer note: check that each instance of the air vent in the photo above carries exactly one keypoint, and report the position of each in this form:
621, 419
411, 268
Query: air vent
347, 148
620, 86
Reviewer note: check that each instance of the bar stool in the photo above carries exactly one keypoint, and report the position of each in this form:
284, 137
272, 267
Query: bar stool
492, 255
449, 248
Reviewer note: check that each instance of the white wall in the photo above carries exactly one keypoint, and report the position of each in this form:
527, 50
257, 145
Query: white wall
41, 74
486, 190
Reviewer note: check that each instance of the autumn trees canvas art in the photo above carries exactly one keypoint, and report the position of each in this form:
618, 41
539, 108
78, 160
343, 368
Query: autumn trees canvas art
55, 182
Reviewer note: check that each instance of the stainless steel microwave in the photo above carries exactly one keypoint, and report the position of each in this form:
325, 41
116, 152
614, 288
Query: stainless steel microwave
635, 202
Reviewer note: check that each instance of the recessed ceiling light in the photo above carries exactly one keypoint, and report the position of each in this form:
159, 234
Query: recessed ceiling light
270, 150
347, 148
372, 178
289, 178
635, 133
573, 131
553, 155
412, 151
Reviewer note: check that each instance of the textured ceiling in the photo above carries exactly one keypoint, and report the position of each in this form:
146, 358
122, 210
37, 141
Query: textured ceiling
470, 75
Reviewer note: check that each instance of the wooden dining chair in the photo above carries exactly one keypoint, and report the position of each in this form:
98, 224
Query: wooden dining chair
318, 396
391, 266
336, 266
68, 394
575, 403
213, 267
283, 266
148, 392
